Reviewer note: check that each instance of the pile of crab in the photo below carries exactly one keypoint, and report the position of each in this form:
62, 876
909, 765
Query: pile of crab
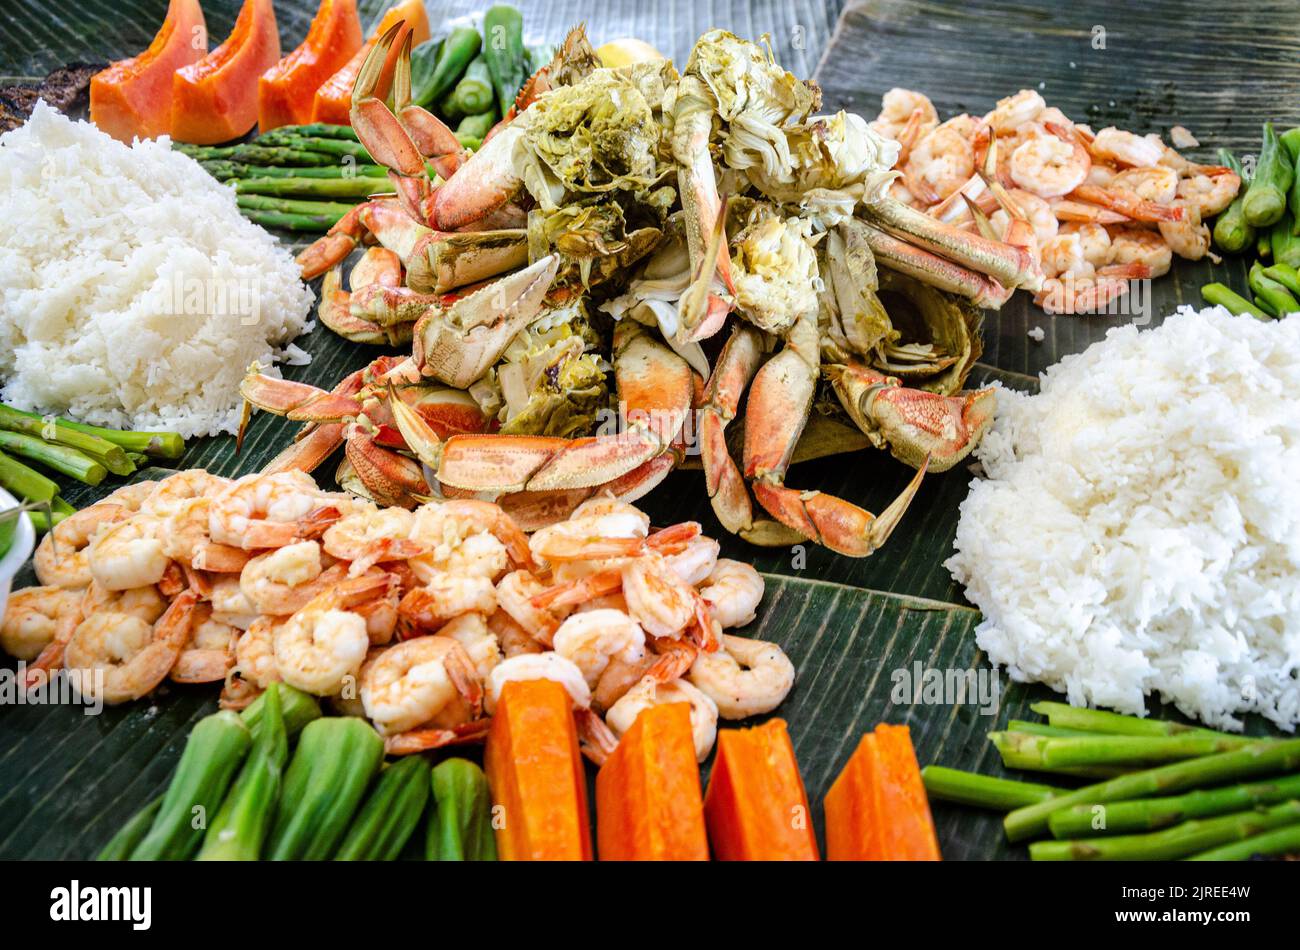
590, 232
413, 620
1095, 209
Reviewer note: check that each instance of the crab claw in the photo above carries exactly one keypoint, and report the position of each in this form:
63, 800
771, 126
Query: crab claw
917, 426
333, 247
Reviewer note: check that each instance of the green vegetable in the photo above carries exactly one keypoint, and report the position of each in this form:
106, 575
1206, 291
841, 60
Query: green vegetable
256, 154
1152, 814
470, 142
241, 825
320, 130
1284, 840
58, 457
214, 751
58, 510
53, 430
1191, 837
165, 444
26, 483
476, 126
1265, 199
503, 47
390, 814
1264, 305
1232, 232
313, 187
226, 170
1269, 290
1220, 295
288, 221
1263, 243
1290, 140
291, 205
339, 148
1286, 275
1283, 243
1098, 720
324, 785
983, 791
449, 62
1042, 729
129, 836
473, 94
296, 707
1021, 751
460, 821
1259, 758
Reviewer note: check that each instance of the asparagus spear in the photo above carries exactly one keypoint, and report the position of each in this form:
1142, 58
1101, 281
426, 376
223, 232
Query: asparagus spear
1221, 295
982, 791
1191, 837
26, 483
291, 206
112, 456
1258, 758
61, 458
43, 520
313, 187
256, 154
291, 222
164, 444
1152, 814
339, 148
1037, 753
1099, 720
321, 130
1043, 729
224, 170
1284, 840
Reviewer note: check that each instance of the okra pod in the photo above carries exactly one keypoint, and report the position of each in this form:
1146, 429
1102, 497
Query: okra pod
449, 61
1284, 243
323, 787
390, 814
1274, 172
215, 750
1269, 290
473, 94
503, 48
460, 817
130, 835
296, 707
1222, 296
242, 822
1287, 276
1232, 232
476, 126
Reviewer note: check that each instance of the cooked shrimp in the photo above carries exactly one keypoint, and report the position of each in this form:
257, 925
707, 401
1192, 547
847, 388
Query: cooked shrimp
446, 528
269, 511
650, 692
131, 497
426, 681
513, 638
210, 652
324, 643
128, 554
118, 657
1153, 183
733, 592
515, 595
185, 538
35, 618
941, 162
1210, 191
281, 581
539, 666
897, 110
1048, 166
594, 639
1071, 294
472, 632
1126, 148
661, 601
62, 559
600, 527
255, 652
1139, 246
1188, 238
229, 604
425, 609
1094, 241
1034, 209
744, 678
1014, 111
695, 562
167, 495
371, 535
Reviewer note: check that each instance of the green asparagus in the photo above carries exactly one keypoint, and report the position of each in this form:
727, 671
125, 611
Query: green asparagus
225, 170
26, 483
257, 154
983, 791
312, 187
62, 459
291, 222
1284, 840
53, 430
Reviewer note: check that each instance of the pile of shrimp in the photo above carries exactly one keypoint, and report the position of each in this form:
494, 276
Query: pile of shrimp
1095, 209
412, 619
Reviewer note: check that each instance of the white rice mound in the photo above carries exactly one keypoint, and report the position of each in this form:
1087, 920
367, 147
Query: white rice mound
132, 292
1138, 528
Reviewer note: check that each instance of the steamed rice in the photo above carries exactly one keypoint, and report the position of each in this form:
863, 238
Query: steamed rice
1138, 528
132, 292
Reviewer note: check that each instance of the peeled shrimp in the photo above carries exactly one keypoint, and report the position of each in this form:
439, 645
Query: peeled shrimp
596, 638
1126, 148
62, 559
515, 594
661, 601
281, 581
901, 109
119, 657
1048, 166
210, 652
268, 511
185, 538
1014, 111
324, 643
744, 678
465, 536
650, 692
733, 592
1189, 237
472, 632
255, 652
425, 609
598, 528
1156, 183
36, 617
425, 681
371, 535
167, 495
128, 554
694, 562
1210, 191
539, 666
1140, 246
941, 162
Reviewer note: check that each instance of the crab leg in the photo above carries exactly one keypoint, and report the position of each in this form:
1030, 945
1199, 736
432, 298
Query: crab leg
779, 401
915, 425
934, 270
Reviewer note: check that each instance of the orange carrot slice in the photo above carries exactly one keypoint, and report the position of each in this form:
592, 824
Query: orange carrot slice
756, 807
333, 100
539, 789
648, 805
133, 97
877, 809
285, 91
215, 99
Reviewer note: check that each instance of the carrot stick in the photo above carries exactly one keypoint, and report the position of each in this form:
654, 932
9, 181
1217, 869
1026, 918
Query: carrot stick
539, 789
756, 808
877, 809
648, 805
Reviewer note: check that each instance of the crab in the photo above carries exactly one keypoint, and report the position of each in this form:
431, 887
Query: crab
600, 179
